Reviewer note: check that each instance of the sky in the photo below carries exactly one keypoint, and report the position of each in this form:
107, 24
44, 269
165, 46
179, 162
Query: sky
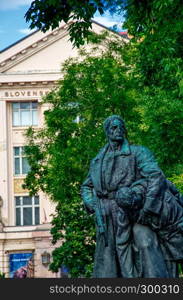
14, 27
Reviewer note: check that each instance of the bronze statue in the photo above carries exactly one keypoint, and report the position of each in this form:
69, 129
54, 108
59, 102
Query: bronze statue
138, 212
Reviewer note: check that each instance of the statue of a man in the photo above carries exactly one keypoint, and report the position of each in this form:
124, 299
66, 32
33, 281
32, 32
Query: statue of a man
138, 212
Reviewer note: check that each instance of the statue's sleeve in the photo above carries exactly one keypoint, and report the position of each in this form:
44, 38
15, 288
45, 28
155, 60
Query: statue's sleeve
87, 194
156, 182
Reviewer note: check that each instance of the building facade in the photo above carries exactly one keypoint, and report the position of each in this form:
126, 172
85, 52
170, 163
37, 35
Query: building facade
29, 69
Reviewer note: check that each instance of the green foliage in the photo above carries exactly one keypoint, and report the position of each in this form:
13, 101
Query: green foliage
46, 14
178, 181
2, 275
141, 81
143, 19
161, 126
157, 30
157, 50
92, 87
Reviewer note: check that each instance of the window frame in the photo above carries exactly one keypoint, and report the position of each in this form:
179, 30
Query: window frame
22, 206
31, 109
21, 155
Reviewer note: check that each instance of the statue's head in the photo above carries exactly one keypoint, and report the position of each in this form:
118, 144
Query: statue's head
114, 127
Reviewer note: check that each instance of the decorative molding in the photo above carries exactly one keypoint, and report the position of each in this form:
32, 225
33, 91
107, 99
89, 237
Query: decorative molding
49, 83
34, 48
18, 189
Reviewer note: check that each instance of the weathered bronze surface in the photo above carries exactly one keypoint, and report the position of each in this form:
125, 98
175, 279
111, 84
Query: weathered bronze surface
138, 212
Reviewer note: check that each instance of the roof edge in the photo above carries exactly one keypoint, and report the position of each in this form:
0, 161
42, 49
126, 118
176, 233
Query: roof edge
105, 27
18, 41
27, 36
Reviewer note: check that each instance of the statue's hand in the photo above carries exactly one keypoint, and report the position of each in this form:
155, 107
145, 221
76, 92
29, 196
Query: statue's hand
127, 198
149, 219
124, 197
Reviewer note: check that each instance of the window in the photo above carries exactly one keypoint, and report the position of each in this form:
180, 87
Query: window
27, 210
74, 105
21, 165
64, 272
25, 113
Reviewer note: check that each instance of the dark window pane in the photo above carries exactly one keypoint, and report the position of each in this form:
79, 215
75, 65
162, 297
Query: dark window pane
16, 151
18, 219
27, 200
27, 216
36, 215
16, 105
64, 272
17, 166
24, 105
36, 199
17, 201
25, 165
34, 105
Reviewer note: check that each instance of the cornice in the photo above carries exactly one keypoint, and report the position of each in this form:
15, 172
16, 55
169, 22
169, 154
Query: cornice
30, 84
34, 48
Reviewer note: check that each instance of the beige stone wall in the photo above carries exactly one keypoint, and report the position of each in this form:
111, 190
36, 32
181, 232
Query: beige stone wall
36, 242
30, 238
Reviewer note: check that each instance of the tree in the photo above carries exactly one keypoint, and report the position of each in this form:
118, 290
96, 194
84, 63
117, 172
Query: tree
141, 16
141, 81
46, 14
59, 154
156, 51
158, 69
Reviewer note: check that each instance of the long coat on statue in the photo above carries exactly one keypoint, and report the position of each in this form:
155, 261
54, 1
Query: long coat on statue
145, 239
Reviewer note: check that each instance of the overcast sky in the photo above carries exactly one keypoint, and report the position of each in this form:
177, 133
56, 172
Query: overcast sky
13, 26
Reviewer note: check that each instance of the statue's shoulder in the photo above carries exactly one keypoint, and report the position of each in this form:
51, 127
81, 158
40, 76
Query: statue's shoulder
140, 150
100, 154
